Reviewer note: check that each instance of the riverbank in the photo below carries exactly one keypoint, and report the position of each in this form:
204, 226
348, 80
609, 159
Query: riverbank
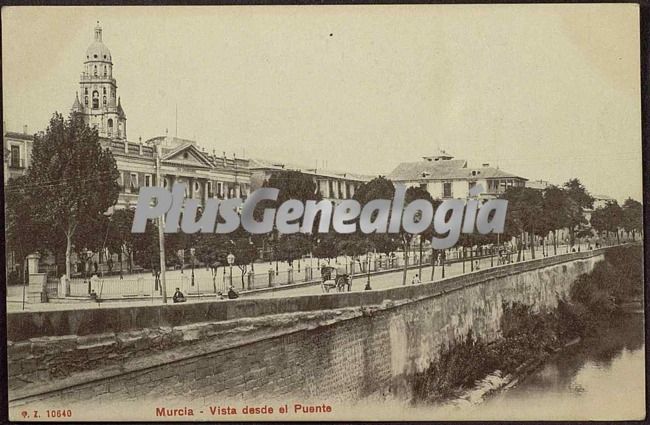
472, 371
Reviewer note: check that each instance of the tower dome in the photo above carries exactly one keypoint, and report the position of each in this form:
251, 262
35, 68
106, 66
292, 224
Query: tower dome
98, 101
98, 51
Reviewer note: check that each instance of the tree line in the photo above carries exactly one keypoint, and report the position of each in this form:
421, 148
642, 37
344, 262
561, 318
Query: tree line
61, 205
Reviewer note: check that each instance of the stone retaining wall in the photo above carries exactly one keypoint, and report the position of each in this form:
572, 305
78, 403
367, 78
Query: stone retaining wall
347, 345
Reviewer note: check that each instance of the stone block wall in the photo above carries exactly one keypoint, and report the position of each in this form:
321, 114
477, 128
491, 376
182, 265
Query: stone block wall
339, 347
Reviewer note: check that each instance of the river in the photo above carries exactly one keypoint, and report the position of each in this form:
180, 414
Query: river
599, 378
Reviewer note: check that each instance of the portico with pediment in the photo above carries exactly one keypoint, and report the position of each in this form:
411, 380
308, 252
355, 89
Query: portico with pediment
205, 175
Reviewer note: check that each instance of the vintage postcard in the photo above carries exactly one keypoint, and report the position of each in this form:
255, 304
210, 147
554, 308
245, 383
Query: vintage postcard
323, 213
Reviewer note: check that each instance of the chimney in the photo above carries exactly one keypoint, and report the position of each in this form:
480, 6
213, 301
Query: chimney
486, 164
25, 129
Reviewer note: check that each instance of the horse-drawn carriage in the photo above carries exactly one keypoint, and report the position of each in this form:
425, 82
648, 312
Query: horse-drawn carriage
333, 278
503, 255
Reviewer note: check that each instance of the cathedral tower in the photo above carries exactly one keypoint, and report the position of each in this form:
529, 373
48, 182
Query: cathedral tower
97, 99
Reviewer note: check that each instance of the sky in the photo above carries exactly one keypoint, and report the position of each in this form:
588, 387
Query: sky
547, 92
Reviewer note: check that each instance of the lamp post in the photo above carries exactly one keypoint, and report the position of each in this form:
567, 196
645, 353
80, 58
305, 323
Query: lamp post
87, 255
192, 261
161, 232
231, 261
252, 271
368, 288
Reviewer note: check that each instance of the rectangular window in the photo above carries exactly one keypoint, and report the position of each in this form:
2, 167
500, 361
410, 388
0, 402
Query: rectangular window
471, 185
134, 182
15, 156
147, 180
210, 194
220, 189
446, 190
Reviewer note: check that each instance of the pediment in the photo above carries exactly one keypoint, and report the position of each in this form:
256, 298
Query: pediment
187, 155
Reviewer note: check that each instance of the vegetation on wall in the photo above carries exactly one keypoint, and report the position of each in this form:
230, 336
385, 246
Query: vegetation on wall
596, 298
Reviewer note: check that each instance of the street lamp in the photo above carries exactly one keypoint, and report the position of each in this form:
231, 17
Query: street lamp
231, 261
161, 224
192, 261
368, 288
87, 255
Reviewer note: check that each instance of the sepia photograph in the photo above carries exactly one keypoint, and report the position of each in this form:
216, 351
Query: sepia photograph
323, 213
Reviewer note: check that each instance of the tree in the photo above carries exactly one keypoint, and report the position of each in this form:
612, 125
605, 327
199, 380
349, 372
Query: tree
555, 207
291, 185
579, 200
24, 235
378, 188
90, 238
632, 220
120, 239
412, 194
244, 250
524, 212
72, 179
325, 246
293, 246
608, 218
146, 248
212, 249
353, 245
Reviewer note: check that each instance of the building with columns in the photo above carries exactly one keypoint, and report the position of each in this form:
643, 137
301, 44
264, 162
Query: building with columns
330, 184
205, 175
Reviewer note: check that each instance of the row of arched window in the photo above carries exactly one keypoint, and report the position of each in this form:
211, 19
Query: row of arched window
95, 97
103, 91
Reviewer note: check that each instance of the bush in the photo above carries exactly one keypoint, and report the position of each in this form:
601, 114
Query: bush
617, 278
526, 335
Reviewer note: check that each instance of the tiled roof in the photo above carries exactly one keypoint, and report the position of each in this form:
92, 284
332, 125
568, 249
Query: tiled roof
444, 170
14, 135
263, 164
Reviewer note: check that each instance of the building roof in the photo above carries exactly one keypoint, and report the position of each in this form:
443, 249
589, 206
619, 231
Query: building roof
602, 198
439, 154
98, 51
262, 164
120, 111
445, 170
22, 136
76, 106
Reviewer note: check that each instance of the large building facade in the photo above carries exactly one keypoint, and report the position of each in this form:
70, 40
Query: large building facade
17, 152
181, 161
331, 185
445, 177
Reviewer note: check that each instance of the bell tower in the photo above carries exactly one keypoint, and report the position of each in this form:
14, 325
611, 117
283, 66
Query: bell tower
97, 99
